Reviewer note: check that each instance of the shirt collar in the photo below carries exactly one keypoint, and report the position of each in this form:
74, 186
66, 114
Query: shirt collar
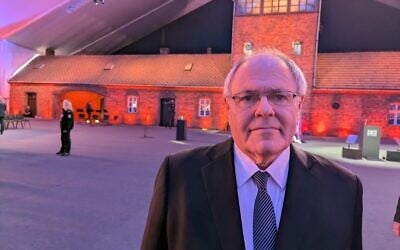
245, 167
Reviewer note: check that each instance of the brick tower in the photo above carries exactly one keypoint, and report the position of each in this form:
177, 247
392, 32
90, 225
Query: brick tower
291, 26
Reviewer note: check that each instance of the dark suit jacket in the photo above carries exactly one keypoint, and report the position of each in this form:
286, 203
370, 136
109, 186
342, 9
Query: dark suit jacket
397, 214
195, 204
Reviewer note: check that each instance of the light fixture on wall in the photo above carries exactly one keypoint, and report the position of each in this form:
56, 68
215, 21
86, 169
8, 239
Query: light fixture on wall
297, 47
248, 48
97, 2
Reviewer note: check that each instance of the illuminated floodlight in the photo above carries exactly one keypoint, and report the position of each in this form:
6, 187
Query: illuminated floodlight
96, 2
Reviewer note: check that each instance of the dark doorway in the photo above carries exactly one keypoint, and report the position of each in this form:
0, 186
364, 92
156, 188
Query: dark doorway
101, 110
167, 114
31, 101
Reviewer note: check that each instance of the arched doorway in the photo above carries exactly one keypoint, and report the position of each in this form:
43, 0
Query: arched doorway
79, 100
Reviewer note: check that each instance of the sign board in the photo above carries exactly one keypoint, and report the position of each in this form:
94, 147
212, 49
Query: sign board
372, 132
370, 142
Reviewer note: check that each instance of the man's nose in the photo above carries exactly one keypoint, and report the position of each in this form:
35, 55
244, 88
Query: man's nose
264, 107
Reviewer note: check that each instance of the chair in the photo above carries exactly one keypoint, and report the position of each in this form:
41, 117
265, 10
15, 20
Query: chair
25, 121
95, 119
81, 115
20, 119
106, 118
9, 119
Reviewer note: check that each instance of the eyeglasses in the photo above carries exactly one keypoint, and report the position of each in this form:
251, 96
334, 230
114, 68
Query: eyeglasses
248, 99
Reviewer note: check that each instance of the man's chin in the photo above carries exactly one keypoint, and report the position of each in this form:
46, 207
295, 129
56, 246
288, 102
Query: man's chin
270, 146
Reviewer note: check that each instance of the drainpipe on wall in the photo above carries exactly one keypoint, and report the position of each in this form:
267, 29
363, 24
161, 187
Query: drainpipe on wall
314, 84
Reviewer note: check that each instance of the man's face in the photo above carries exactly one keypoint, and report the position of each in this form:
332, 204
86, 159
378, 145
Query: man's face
264, 129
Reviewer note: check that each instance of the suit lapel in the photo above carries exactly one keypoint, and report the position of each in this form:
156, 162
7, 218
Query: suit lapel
220, 182
302, 194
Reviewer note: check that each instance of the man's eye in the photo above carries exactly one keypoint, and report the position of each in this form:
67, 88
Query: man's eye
279, 97
247, 98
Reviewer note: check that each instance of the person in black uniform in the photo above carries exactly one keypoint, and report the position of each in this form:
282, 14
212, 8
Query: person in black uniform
396, 220
66, 125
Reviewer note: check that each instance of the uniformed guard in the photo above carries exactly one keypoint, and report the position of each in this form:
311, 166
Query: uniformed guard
66, 125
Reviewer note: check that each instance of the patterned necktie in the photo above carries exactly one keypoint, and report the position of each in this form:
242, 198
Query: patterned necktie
264, 225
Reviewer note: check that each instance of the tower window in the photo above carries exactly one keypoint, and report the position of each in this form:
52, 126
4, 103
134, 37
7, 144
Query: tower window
260, 7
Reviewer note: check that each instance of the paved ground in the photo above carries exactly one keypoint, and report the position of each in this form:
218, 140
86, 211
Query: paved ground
98, 197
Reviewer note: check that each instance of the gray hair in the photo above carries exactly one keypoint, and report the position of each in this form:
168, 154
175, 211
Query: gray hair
269, 52
67, 105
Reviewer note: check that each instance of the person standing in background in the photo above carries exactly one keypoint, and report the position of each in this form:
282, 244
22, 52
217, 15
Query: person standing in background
66, 125
396, 220
3, 111
89, 111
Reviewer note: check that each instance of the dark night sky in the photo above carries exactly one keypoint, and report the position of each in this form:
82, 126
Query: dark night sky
358, 25
346, 25
208, 26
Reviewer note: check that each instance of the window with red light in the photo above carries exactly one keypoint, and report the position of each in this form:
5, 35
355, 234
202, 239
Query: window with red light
204, 107
132, 103
394, 113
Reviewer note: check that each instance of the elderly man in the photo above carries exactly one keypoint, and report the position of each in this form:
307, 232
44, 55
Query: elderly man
256, 190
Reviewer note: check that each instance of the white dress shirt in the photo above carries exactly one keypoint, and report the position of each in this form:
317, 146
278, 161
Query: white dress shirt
245, 168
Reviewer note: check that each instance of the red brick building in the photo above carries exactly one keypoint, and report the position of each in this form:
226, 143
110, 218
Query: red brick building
345, 89
354, 88
133, 89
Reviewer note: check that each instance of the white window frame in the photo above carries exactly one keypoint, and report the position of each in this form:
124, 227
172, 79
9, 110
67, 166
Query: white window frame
204, 107
394, 114
132, 104
266, 7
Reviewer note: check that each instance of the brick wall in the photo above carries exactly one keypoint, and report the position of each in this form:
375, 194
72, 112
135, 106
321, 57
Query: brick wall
187, 105
45, 99
50, 96
354, 108
149, 107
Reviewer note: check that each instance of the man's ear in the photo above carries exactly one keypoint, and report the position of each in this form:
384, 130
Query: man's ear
226, 104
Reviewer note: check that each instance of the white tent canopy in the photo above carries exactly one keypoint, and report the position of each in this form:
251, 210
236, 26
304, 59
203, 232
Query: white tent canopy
78, 27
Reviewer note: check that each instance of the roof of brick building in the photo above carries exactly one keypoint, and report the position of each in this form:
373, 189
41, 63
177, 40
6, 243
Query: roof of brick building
355, 70
359, 70
173, 70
